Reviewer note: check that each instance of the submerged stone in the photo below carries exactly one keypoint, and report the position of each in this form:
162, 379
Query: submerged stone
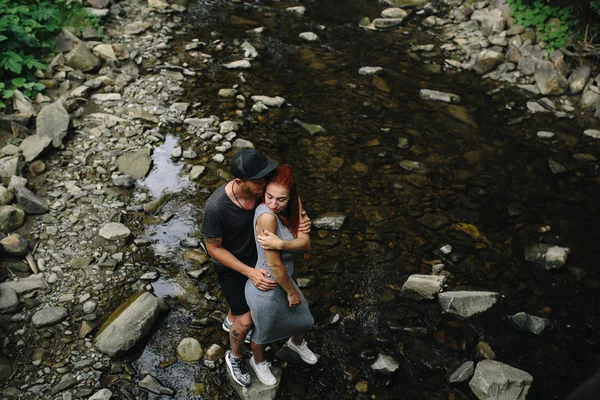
494, 380
546, 255
529, 323
465, 304
463, 373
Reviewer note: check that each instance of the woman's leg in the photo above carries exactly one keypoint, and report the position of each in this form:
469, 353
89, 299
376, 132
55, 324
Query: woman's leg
259, 352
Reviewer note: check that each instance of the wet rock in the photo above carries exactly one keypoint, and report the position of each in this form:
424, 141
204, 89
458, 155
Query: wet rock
386, 24
381, 84
434, 221
152, 385
549, 81
5, 369
242, 144
129, 326
494, 380
331, 220
465, 304
197, 256
9, 301
385, 365
256, 390
80, 58
424, 286
196, 172
529, 323
214, 353
102, 394
588, 99
394, 12
312, 129
556, 167
545, 134
484, 349
136, 164
53, 121
114, 231
435, 95
276, 101
579, 79
11, 218
240, 64
32, 146
66, 382
547, 255
369, 70
593, 133
463, 373
414, 166
26, 285
31, 203
309, 36
124, 181
189, 349
49, 316
9, 167
487, 61
14, 245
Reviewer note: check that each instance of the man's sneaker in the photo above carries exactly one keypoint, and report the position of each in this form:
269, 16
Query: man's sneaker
227, 327
303, 351
263, 372
238, 369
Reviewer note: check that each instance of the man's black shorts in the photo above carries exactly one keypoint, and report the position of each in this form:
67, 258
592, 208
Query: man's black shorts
233, 285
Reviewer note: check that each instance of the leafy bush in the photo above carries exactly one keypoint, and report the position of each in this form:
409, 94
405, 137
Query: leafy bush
27, 32
540, 15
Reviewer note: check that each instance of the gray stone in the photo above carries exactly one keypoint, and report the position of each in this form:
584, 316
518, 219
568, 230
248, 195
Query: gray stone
189, 349
31, 203
14, 245
102, 97
385, 364
131, 325
26, 285
529, 323
102, 394
587, 102
579, 79
494, 380
22, 104
394, 12
276, 101
545, 134
487, 61
228, 126
105, 51
49, 316
9, 167
467, 303
300, 10
136, 164
593, 133
240, 64
547, 255
89, 307
250, 52
98, 3
424, 286
214, 353
386, 24
435, 95
152, 385
125, 181
331, 220
5, 369
200, 122
136, 27
556, 167
406, 3
196, 172
491, 21
32, 146
9, 301
66, 382
11, 218
53, 121
242, 144
549, 81
463, 373
114, 231
6, 196
257, 390
309, 36
80, 58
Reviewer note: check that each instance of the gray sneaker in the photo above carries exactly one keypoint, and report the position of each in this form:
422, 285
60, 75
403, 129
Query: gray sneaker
227, 327
238, 369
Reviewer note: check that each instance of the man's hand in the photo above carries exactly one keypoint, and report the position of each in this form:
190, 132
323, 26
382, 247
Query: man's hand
294, 299
269, 241
258, 276
305, 224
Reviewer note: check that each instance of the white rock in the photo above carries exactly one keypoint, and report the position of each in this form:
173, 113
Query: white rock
241, 64
189, 349
196, 172
394, 12
494, 380
300, 10
102, 394
369, 70
114, 231
276, 101
309, 36
249, 51
593, 133
467, 303
424, 286
545, 134
435, 95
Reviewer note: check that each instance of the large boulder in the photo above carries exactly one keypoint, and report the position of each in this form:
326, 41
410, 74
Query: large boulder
53, 121
130, 324
494, 380
135, 164
26, 285
549, 81
81, 58
579, 79
467, 303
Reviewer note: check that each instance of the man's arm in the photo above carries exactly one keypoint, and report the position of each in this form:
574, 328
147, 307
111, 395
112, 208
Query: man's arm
258, 276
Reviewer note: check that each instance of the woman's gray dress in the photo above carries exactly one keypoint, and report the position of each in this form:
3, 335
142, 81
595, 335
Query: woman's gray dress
273, 318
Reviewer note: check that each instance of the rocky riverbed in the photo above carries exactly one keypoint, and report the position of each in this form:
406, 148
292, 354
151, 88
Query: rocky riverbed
109, 292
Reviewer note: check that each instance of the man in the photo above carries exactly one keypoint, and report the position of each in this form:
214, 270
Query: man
227, 226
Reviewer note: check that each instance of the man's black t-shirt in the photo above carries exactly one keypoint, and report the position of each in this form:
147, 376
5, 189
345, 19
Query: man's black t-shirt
222, 218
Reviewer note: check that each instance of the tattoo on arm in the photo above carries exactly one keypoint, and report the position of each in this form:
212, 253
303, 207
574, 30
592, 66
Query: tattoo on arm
212, 240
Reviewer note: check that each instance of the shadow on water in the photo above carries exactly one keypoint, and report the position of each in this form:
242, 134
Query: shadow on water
482, 172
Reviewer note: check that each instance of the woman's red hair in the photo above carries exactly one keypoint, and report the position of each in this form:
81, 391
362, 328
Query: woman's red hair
290, 216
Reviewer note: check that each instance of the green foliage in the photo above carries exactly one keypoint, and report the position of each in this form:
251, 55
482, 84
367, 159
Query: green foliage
553, 24
27, 32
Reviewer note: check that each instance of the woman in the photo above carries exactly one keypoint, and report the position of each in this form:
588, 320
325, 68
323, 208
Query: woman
282, 312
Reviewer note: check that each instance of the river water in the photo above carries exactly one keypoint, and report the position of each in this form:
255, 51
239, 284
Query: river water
484, 170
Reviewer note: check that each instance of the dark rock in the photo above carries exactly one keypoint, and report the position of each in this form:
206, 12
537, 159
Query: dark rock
31, 203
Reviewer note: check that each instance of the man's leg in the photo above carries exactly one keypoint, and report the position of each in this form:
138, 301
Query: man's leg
237, 334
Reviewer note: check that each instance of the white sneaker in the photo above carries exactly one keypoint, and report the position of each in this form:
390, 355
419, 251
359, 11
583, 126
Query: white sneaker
263, 372
303, 351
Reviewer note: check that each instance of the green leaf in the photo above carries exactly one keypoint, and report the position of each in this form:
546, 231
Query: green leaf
38, 87
11, 61
3, 38
7, 93
18, 82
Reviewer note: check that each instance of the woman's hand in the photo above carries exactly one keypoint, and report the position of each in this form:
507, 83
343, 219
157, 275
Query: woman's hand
305, 224
294, 299
269, 241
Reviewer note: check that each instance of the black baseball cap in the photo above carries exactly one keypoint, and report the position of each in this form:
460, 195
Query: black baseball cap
250, 164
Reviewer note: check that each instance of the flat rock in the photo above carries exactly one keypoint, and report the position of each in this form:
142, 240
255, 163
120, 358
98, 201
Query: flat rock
102, 394
467, 303
128, 326
276, 101
152, 385
240, 64
547, 255
463, 373
494, 380
414, 166
136, 27
394, 12
9, 301
53, 121
593, 133
26, 285
114, 231
49, 316
434, 95
386, 24
370, 70
136, 164
196, 172
31, 203
331, 220
5, 370
424, 287
80, 58
309, 36
579, 79
32, 146
196, 256
529, 323
312, 129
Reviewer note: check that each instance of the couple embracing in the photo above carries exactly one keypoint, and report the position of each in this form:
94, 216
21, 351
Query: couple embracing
252, 226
